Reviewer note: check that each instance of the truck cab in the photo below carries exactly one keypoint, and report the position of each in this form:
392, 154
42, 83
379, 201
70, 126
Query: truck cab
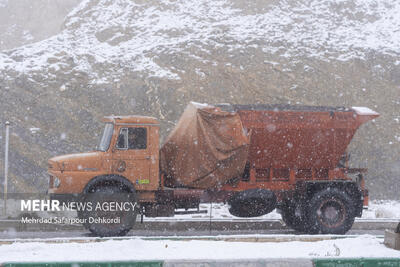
128, 154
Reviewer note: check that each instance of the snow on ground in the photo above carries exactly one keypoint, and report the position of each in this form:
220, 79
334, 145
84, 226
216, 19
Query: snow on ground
139, 249
134, 34
382, 209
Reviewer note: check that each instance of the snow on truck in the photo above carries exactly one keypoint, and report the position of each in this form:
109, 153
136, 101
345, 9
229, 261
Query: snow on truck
254, 157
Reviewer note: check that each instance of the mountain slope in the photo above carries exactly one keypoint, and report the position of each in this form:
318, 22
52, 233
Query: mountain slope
26, 21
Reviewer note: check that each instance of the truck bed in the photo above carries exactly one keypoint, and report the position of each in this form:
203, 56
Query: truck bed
301, 137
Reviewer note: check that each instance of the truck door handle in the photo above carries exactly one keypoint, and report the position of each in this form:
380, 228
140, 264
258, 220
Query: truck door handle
147, 157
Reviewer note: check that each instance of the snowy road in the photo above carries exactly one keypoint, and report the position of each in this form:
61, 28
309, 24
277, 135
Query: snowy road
178, 249
195, 229
72, 234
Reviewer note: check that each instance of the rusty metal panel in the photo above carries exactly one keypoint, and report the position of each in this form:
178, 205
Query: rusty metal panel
299, 137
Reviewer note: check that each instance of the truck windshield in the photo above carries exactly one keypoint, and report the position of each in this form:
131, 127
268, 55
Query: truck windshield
106, 138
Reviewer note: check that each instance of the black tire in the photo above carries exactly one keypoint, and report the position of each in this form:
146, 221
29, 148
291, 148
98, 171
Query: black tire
330, 212
252, 203
103, 194
247, 208
292, 216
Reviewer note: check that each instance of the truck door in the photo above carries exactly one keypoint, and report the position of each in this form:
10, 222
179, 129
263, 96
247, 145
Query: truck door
132, 156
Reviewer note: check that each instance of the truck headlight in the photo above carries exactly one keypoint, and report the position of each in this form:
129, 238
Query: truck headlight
56, 182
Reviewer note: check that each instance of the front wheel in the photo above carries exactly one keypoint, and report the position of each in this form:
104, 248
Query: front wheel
330, 212
112, 213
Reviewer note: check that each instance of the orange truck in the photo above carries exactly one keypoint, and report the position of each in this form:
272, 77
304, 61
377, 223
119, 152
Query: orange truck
254, 157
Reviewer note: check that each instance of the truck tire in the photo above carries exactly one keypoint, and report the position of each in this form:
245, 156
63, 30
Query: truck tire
330, 212
107, 194
252, 203
292, 220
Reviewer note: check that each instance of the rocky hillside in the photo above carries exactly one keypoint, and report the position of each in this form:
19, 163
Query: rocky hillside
27, 21
153, 57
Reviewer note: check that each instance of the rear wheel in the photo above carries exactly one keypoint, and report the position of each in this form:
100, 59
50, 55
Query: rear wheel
105, 218
330, 212
292, 215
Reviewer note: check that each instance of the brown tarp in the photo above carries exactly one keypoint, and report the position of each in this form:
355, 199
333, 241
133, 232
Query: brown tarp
206, 148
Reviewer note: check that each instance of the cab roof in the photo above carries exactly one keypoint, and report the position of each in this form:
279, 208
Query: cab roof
131, 119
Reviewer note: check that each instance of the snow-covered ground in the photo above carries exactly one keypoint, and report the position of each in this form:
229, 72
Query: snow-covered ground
139, 249
382, 209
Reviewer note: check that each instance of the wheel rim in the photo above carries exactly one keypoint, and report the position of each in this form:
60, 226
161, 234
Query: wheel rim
331, 213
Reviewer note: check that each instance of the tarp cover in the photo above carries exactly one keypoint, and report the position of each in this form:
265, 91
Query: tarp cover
206, 148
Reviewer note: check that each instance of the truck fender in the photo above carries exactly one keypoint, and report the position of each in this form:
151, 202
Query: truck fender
112, 179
